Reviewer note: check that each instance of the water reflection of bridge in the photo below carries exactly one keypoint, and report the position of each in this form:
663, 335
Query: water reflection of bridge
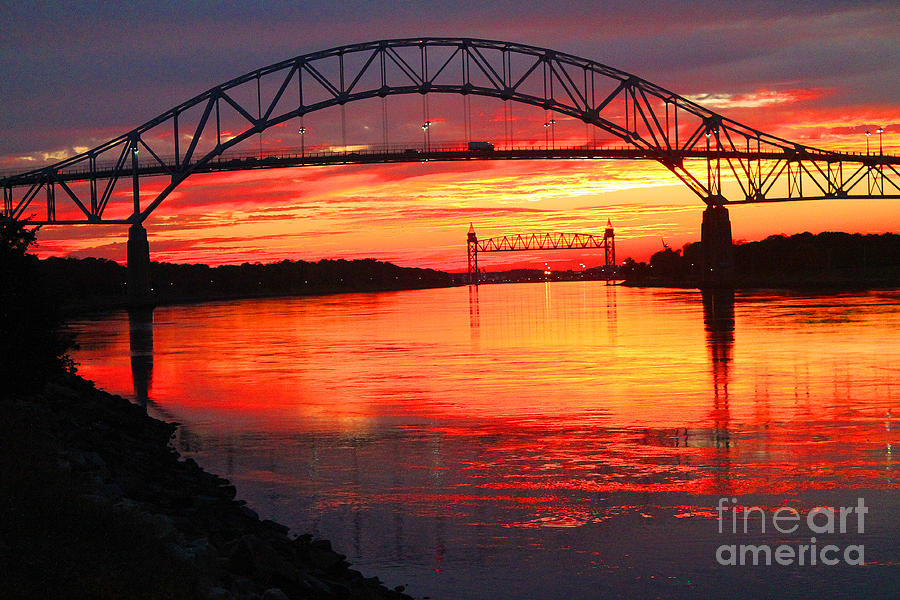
355, 521
718, 318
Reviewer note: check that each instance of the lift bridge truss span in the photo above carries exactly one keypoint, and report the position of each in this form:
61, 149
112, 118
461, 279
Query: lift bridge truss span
540, 241
700, 147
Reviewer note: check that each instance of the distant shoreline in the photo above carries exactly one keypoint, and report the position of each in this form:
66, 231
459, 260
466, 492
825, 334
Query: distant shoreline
823, 262
826, 287
84, 286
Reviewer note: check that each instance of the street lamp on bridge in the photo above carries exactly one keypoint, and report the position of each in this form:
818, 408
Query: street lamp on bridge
426, 129
550, 131
868, 135
880, 131
302, 132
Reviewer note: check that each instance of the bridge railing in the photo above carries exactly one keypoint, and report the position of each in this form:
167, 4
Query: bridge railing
245, 159
332, 150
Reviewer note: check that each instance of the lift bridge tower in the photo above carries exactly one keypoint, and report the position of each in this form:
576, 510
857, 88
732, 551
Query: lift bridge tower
541, 241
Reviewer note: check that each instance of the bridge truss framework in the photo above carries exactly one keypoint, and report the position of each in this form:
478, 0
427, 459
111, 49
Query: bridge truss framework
700, 147
540, 241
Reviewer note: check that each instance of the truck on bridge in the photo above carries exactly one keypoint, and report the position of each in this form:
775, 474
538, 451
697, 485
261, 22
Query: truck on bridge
481, 146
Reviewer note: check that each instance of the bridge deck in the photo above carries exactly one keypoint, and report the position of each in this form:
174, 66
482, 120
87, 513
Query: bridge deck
296, 158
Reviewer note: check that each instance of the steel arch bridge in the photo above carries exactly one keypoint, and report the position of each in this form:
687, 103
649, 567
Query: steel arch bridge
697, 145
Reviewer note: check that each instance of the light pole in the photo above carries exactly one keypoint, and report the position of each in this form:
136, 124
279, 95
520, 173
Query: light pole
302, 132
426, 129
880, 131
549, 131
868, 135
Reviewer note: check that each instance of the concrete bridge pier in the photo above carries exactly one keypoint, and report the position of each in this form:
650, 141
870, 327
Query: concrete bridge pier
138, 267
718, 253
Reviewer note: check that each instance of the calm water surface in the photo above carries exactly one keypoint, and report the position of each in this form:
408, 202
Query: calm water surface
564, 440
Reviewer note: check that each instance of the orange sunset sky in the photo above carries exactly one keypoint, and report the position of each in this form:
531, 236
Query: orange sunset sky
819, 73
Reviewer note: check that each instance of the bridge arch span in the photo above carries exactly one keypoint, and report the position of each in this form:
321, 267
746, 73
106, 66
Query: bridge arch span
661, 124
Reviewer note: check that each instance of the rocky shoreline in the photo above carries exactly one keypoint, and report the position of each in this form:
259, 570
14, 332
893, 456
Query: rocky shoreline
118, 468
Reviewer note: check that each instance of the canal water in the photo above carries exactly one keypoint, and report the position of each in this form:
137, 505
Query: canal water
549, 440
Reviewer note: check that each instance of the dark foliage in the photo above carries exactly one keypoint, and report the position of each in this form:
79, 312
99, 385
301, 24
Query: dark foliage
290, 277
826, 259
33, 347
851, 255
92, 282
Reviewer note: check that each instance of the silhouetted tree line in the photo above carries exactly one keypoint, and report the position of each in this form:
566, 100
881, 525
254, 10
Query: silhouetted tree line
831, 258
93, 281
33, 346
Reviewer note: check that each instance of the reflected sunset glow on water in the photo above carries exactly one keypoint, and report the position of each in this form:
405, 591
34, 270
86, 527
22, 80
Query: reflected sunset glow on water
433, 434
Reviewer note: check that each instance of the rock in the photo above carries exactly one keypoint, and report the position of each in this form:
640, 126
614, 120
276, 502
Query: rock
93, 459
249, 512
127, 508
112, 491
202, 500
95, 499
315, 584
245, 587
325, 559
274, 594
161, 526
127, 466
321, 544
198, 549
217, 593
252, 556
276, 527
78, 460
181, 553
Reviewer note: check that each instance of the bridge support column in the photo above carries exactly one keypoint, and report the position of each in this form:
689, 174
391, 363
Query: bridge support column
472, 247
718, 253
138, 267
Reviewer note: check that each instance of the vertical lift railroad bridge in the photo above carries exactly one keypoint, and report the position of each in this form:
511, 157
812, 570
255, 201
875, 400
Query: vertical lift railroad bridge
541, 241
